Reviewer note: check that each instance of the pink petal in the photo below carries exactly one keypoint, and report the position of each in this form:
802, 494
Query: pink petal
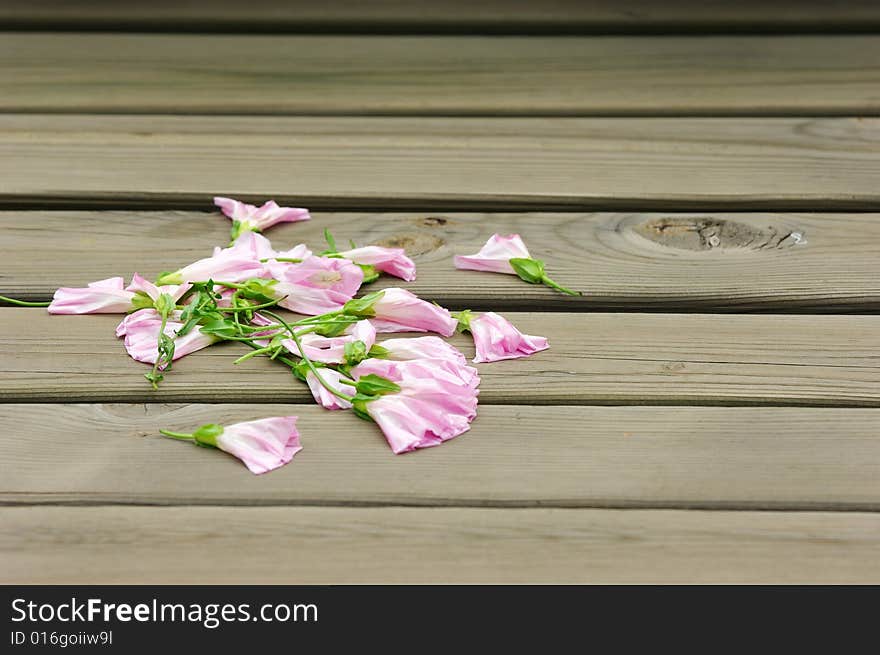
263, 445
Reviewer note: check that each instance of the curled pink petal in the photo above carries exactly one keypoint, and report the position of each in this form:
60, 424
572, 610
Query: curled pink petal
331, 350
101, 297
436, 402
422, 348
494, 257
336, 380
263, 445
260, 218
392, 261
496, 338
225, 266
399, 307
142, 285
141, 332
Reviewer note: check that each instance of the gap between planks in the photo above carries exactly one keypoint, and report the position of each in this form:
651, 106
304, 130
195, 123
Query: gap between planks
621, 261
455, 16
442, 545
795, 459
443, 164
817, 75
671, 359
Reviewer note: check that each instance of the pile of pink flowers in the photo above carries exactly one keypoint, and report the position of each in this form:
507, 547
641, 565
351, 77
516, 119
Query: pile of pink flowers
420, 391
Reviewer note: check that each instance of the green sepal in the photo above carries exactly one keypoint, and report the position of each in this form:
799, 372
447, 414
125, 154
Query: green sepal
259, 289
363, 307
169, 277
165, 304
355, 352
464, 320
375, 385
378, 351
207, 435
530, 270
359, 406
331, 329
302, 369
370, 273
141, 301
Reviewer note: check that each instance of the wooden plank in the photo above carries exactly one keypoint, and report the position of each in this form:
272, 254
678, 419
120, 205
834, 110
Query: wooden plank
514, 456
502, 16
594, 358
442, 163
778, 262
310, 545
440, 75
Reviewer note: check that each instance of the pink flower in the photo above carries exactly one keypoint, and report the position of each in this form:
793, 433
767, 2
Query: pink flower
331, 350
229, 265
318, 285
398, 310
437, 401
336, 380
496, 338
422, 348
495, 255
257, 247
262, 445
101, 297
147, 288
256, 219
388, 260
141, 332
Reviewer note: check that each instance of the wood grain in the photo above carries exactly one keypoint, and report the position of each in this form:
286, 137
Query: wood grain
502, 16
514, 456
439, 75
442, 163
594, 358
746, 261
97, 545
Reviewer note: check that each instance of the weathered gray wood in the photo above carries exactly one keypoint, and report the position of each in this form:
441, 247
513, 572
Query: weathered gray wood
442, 163
98, 545
143, 73
522, 456
594, 358
503, 16
775, 262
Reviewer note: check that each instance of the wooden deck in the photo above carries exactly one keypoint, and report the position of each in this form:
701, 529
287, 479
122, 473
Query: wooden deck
709, 410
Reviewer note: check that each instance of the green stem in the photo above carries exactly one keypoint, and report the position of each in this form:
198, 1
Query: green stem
250, 307
289, 260
158, 358
177, 435
553, 285
308, 361
254, 353
24, 303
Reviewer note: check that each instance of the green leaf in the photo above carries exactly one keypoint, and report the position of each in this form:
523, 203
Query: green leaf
375, 385
378, 351
355, 352
223, 328
359, 406
530, 270
333, 329
330, 240
207, 435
